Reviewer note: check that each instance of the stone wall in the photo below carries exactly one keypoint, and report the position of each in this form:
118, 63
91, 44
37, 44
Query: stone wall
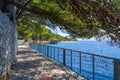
8, 47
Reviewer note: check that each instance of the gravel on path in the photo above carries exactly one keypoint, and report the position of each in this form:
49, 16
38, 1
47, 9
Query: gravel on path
31, 65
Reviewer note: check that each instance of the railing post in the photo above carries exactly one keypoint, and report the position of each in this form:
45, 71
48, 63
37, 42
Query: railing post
80, 62
41, 48
47, 50
58, 54
54, 53
116, 69
93, 66
64, 59
71, 58
51, 52
44, 49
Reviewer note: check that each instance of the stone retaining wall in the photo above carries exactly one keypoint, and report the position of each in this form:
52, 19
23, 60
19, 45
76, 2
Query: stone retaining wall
8, 38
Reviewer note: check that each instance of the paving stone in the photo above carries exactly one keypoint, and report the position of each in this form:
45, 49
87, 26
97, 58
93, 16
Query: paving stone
33, 66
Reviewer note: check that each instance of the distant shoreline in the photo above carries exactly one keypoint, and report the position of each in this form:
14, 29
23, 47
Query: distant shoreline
21, 42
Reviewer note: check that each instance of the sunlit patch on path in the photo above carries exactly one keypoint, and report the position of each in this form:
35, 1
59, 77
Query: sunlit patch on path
33, 66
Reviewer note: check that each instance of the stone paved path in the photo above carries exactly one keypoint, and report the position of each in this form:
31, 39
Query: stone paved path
33, 66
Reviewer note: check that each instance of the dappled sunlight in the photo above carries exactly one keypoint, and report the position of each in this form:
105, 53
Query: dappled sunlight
32, 66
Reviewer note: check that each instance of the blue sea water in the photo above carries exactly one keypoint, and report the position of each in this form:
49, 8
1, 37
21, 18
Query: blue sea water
103, 69
94, 47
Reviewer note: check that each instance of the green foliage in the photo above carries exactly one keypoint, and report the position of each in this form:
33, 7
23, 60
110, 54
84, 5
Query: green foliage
58, 12
80, 18
116, 4
38, 32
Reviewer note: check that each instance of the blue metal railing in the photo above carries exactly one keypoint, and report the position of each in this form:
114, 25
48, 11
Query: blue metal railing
91, 66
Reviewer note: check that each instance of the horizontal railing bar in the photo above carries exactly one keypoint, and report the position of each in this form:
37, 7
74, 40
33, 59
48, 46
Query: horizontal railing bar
93, 56
74, 71
80, 52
